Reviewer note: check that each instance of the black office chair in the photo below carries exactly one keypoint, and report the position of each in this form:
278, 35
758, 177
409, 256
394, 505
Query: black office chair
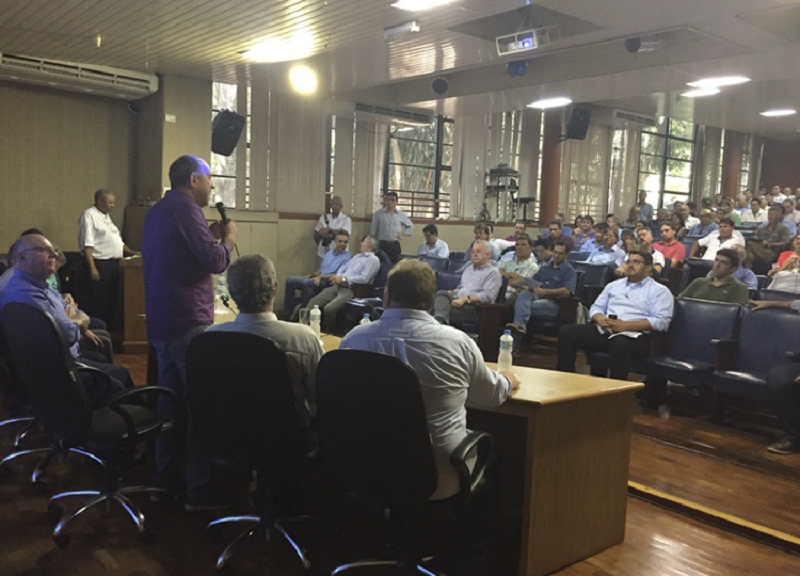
689, 358
245, 413
17, 403
374, 430
109, 432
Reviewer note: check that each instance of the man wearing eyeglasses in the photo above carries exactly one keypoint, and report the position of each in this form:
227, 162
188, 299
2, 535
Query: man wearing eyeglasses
624, 314
35, 261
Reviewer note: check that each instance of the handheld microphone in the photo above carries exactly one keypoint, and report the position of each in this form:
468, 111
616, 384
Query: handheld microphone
221, 209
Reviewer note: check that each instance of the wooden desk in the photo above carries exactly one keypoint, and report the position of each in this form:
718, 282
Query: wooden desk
134, 339
330, 342
577, 449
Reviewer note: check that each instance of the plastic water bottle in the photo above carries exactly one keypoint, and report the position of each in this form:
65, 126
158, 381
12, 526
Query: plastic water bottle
315, 318
506, 348
365, 319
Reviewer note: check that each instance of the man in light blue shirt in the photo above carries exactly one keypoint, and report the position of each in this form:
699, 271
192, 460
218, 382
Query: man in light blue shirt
361, 269
311, 284
433, 245
449, 364
608, 252
389, 225
622, 316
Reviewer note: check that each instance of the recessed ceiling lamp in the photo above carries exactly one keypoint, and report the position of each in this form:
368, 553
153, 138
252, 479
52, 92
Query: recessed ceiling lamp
777, 113
700, 92
718, 81
303, 79
419, 5
296, 47
550, 103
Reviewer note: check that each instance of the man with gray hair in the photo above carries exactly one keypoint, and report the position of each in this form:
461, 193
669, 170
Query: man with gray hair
101, 245
253, 285
360, 269
480, 282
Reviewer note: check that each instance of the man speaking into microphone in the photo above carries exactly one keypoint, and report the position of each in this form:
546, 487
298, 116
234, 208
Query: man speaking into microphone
180, 253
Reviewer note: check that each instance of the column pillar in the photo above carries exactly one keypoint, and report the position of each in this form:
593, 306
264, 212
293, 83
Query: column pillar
731, 163
551, 165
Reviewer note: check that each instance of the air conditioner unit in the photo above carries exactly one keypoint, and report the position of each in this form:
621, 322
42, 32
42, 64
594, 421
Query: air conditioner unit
616, 118
391, 114
85, 78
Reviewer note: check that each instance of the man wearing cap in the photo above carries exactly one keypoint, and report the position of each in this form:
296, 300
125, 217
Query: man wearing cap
389, 225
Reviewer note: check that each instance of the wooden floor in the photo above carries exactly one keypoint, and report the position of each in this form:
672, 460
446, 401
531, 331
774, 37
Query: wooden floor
704, 470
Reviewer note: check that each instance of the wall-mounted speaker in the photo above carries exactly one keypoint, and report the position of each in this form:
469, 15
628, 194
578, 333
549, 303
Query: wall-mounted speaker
578, 123
440, 86
225, 131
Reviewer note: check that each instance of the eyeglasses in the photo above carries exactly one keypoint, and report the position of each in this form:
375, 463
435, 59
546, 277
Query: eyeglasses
636, 262
42, 250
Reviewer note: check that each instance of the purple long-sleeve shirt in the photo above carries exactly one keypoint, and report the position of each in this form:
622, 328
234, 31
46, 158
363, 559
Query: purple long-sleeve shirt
179, 254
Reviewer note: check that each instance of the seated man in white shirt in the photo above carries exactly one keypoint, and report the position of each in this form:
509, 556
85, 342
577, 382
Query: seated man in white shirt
433, 245
480, 282
406, 328
360, 269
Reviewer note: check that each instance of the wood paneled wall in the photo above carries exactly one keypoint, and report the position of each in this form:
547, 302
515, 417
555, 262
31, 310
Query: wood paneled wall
56, 149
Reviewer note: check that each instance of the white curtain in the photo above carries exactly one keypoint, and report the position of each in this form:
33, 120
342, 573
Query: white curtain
585, 174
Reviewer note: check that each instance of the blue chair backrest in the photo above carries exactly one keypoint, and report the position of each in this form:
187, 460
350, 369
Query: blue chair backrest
595, 274
764, 338
383, 272
576, 256
776, 295
695, 323
447, 280
457, 256
438, 264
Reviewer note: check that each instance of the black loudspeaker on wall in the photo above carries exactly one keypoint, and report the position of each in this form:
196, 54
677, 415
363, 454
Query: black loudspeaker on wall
578, 123
225, 131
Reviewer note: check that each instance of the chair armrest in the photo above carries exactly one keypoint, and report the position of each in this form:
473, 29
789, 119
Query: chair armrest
489, 329
363, 290
113, 403
567, 310
482, 446
726, 353
658, 343
793, 355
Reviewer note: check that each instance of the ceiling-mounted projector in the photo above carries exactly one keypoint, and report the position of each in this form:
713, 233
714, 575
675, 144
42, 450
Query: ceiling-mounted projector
522, 41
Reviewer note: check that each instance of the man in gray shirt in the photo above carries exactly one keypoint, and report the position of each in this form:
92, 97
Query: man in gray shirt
389, 225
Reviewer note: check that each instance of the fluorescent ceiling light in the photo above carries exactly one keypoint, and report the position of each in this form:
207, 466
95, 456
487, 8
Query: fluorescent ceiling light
776, 113
400, 29
303, 79
718, 81
700, 92
282, 49
550, 103
419, 5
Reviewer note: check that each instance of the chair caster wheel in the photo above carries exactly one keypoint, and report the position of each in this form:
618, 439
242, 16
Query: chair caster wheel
39, 487
147, 537
54, 512
62, 540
